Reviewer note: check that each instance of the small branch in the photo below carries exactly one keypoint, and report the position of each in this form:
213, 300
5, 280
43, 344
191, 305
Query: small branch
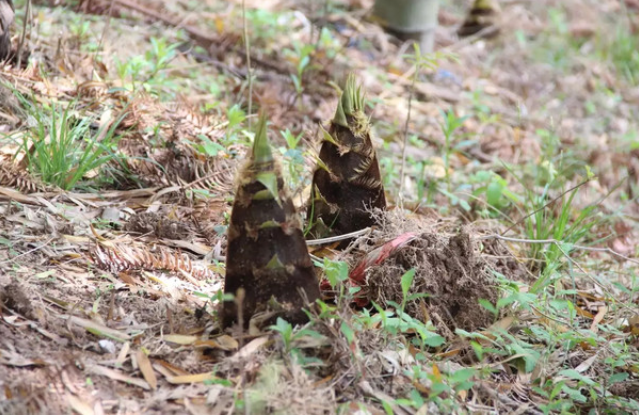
575, 263
197, 34
104, 32
27, 15
249, 74
505, 399
400, 194
554, 241
331, 239
486, 31
37, 248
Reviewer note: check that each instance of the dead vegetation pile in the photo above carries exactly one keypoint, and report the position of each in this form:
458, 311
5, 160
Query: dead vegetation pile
450, 271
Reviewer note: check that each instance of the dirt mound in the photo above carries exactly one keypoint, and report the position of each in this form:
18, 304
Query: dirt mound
150, 223
14, 297
450, 271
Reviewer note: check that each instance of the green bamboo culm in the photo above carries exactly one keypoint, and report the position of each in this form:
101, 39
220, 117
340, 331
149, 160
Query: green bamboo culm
347, 182
266, 254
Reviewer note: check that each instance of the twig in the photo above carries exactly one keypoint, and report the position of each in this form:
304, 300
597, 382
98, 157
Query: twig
488, 30
202, 38
195, 33
575, 263
321, 25
249, 74
504, 399
27, 14
331, 239
554, 241
37, 248
400, 195
104, 32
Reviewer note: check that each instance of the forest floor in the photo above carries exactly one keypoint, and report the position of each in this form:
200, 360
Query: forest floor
502, 278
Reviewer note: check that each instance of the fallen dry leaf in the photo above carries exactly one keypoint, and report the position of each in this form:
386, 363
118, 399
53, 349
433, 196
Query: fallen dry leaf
586, 364
598, 318
119, 376
78, 405
99, 329
147, 370
197, 378
180, 339
252, 347
223, 342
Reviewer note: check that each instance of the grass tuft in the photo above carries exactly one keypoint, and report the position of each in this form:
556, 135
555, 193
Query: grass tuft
62, 148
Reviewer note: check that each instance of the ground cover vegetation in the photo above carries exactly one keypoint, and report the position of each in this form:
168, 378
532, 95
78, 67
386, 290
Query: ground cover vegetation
149, 151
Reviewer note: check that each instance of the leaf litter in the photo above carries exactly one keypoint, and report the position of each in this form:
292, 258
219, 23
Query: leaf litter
104, 294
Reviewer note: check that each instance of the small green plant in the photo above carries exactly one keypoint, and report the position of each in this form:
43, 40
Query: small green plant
495, 190
449, 127
285, 329
428, 61
336, 273
567, 228
234, 134
622, 50
160, 55
266, 25
208, 147
293, 159
558, 47
145, 71
62, 148
130, 69
301, 55
80, 28
235, 116
295, 340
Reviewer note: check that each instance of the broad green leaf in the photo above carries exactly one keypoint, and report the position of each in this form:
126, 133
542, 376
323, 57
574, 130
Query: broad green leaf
493, 193
618, 377
348, 332
573, 374
407, 281
488, 305
462, 375
434, 341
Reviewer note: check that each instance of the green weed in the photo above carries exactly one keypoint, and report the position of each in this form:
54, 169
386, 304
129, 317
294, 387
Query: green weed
148, 70
621, 50
62, 148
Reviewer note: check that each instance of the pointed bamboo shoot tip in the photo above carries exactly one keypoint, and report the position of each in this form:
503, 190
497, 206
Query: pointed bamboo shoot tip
261, 149
351, 101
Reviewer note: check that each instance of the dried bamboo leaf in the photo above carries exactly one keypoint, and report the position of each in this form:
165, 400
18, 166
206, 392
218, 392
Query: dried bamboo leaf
147, 370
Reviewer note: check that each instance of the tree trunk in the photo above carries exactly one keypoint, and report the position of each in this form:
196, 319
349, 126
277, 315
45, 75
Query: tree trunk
410, 19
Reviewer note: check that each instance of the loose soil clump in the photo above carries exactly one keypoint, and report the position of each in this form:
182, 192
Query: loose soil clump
449, 270
13, 297
149, 223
